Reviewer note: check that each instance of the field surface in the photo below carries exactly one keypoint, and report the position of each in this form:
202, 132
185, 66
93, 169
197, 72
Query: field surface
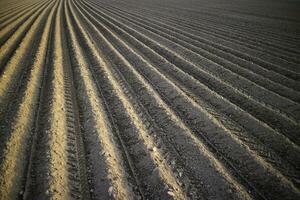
149, 99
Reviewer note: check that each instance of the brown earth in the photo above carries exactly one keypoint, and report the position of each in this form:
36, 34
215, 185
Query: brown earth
160, 99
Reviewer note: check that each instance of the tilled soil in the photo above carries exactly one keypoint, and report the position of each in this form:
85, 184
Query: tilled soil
172, 99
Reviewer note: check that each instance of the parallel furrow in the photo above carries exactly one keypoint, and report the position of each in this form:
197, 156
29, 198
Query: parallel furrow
245, 102
134, 100
227, 24
159, 83
195, 89
230, 59
254, 58
10, 18
18, 137
14, 16
19, 64
12, 9
208, 21
143, 135
58, 170
14, 23
18, 38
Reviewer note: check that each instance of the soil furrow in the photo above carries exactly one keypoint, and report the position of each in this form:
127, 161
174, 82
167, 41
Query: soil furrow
13, 42
262, 74
13, 9
145, 137
11, 78
165, 88
107, 170
15, 159
160, 99
25, 13
157, 136
56, 172
197, 89
209, 35
212, 23
204, 18
283, 91
239, 100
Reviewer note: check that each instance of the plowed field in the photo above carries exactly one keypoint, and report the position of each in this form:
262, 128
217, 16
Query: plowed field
149, 99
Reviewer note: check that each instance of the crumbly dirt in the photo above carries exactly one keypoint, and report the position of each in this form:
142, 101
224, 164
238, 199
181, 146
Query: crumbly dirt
169, 99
